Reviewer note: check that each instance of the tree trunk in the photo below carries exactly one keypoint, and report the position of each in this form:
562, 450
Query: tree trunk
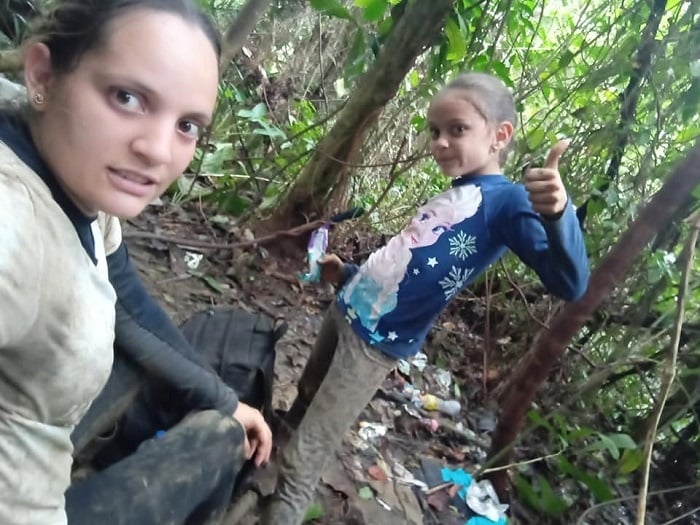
549, 345
326, 175
240, 29
640, 72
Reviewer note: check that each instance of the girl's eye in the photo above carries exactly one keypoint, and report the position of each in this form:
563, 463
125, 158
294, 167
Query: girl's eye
424, 217
439, 230
190, 128
434, 133
128, 100
458, 129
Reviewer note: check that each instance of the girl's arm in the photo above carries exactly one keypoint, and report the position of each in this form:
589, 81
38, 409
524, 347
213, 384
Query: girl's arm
555, 249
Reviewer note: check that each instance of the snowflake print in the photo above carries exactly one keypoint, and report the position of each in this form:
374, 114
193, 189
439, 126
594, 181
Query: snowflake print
455, 281
462, 245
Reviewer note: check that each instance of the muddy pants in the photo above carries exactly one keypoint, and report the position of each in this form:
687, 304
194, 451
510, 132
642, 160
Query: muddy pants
159, 464
340, 378
184, 476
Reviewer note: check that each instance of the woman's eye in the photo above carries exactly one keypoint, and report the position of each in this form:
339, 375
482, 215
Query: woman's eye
128, 100
190, 128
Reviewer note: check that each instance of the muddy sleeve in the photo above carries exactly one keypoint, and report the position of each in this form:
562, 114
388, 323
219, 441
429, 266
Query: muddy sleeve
21, 261
145, 333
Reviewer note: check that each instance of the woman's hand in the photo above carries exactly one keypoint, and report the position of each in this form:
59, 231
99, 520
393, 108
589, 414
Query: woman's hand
544, 185
258, 436
331, 269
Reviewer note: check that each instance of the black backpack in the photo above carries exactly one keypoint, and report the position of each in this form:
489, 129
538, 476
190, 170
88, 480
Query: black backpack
240, 346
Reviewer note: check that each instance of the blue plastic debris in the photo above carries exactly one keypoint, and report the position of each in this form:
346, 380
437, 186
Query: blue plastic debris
458, 477
480, 520
482, 498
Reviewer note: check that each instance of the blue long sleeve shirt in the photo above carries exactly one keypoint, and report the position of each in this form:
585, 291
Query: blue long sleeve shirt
394, 298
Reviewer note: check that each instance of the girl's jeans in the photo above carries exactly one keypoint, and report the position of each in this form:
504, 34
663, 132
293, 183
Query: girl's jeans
340, 378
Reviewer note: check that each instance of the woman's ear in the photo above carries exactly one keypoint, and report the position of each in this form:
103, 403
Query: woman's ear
504, 132
38, 73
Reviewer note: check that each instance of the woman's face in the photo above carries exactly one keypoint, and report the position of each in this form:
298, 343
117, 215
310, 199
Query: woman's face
120, 127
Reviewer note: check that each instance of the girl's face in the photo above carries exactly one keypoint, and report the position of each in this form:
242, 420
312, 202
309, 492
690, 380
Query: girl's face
120, 127
462, 141
425, 228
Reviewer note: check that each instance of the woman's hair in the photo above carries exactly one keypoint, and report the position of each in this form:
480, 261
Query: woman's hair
491, 98
74, 27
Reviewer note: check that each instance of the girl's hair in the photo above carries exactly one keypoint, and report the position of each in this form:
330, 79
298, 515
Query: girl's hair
74, 27
491, 98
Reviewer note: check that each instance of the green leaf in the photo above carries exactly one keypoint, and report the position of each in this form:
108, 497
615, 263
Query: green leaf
610, 445
385, 26
526, 492
212, 283
598, 488
551, 503
355, 61
502, 71
332, 8
456, 41
565, 58
214, 162
207, 279
623, 441
366, 493
314, 512
631, 460
535, 138
373, 10
479, 63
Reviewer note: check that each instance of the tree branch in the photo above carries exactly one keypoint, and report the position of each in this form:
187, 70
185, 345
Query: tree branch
670, 368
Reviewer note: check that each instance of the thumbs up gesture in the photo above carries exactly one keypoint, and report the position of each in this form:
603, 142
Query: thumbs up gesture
544, 185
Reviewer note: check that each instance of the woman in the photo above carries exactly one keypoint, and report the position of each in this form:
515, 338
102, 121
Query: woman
118, 93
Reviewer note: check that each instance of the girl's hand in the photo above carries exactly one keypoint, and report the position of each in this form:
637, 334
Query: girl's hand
331, 269
544, 185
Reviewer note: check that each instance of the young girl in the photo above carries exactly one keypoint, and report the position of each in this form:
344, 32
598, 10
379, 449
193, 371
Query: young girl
386, 307
118, 93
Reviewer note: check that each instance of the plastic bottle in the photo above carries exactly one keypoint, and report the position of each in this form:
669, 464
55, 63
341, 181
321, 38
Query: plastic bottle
318, 243
450, 407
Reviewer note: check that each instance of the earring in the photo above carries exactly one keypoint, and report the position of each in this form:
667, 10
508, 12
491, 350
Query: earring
39, 99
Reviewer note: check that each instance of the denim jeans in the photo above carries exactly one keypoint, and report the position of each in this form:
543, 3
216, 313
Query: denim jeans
340, 378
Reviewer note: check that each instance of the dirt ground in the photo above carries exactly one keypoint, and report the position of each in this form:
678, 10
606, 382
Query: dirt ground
196, 271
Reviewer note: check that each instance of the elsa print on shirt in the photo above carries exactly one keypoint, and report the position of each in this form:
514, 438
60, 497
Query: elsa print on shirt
372, 292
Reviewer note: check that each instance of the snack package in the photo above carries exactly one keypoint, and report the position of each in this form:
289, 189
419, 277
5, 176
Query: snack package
318, 243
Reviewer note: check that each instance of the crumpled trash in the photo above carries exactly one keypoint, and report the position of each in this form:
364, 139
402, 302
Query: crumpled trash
192, 260
443, 378
458, 477
480, 497
419, 361
404, 367
371, 431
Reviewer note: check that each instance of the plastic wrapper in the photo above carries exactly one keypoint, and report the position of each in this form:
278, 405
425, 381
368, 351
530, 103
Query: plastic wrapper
318, 243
